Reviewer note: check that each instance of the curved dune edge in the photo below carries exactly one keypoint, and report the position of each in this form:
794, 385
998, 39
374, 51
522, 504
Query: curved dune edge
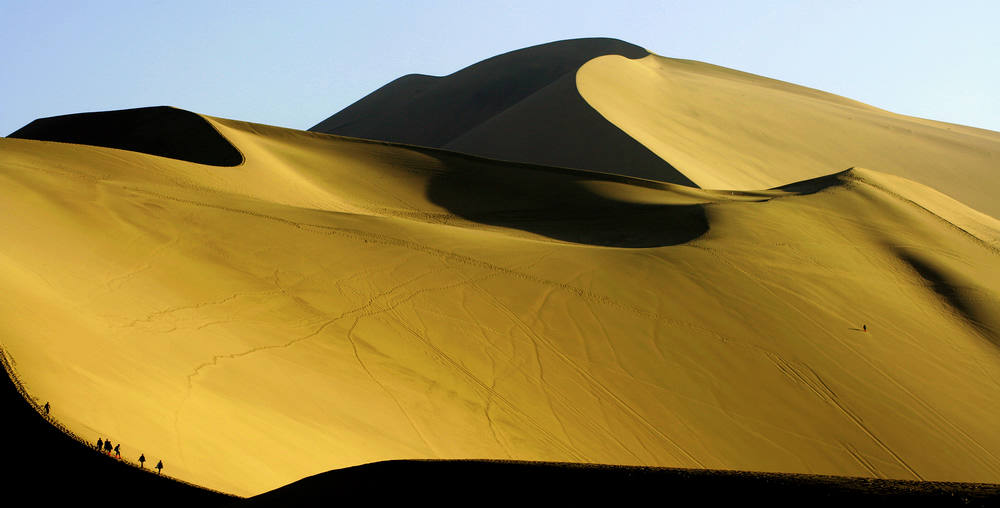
562, 482
728, 129
520, 106
316, 306
71, 467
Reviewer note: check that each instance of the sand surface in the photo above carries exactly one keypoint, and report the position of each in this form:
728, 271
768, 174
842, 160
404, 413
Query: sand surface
332, 302
726, 129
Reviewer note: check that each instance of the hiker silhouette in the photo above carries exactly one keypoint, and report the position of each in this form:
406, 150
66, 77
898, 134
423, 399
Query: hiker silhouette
159, 467
46, 408
107, 446
118, 452
142, 461
100, 444
864, 327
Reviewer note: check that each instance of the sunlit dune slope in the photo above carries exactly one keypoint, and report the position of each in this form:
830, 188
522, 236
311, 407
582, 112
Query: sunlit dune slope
728, 129
332, 302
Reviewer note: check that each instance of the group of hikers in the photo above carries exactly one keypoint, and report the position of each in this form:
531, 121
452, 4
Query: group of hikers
104, 445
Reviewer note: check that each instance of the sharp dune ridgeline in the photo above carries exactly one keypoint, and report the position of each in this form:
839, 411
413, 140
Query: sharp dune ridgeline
579, 252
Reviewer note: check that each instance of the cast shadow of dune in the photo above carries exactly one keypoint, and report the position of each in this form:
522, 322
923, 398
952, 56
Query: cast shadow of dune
163, 131
818, 184
960, 297
557, 204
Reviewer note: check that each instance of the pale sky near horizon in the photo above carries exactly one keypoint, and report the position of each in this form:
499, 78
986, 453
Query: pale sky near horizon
295, 63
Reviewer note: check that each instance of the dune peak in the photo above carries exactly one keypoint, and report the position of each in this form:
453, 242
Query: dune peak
162, 131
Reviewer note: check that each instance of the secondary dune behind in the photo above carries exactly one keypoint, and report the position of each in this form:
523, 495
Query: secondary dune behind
520, 106
726, 129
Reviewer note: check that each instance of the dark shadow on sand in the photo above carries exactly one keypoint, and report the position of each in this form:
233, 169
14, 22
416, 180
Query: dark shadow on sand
511, 483
556, 204
162, 131
951, 291
521, 106
814, 185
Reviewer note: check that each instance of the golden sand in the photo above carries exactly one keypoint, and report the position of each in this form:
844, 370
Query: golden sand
332, 302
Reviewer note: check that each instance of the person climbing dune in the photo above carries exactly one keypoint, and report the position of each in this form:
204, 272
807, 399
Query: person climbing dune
100, 444
142, 461
118, 452
159, 467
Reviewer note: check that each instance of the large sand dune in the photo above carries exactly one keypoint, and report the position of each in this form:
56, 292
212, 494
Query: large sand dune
683, 122
727, 129
520, 106
331, 302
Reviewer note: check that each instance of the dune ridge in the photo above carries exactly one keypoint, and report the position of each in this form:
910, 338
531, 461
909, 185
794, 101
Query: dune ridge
520, 106
401, 312
163, 131
728, 129
668, 119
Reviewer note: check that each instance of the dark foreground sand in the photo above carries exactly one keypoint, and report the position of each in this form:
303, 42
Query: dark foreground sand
47, 466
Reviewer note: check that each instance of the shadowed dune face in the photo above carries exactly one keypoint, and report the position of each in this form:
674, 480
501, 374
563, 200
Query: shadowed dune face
556, 127
561, 206
974, 304
162, 131
521, 106
432, 111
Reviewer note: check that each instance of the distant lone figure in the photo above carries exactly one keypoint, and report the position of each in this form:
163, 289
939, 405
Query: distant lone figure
100, 444
864, 327
142, 461
159, 467
118, 452
46, 408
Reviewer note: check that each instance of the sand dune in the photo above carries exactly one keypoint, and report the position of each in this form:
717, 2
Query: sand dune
671, 120
332, 302
163, 131
727, 129
520, 106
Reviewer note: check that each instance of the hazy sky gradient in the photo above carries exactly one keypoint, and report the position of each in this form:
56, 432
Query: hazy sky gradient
295, 63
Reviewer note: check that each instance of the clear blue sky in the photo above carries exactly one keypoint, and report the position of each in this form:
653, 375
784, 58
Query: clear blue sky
294, 63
